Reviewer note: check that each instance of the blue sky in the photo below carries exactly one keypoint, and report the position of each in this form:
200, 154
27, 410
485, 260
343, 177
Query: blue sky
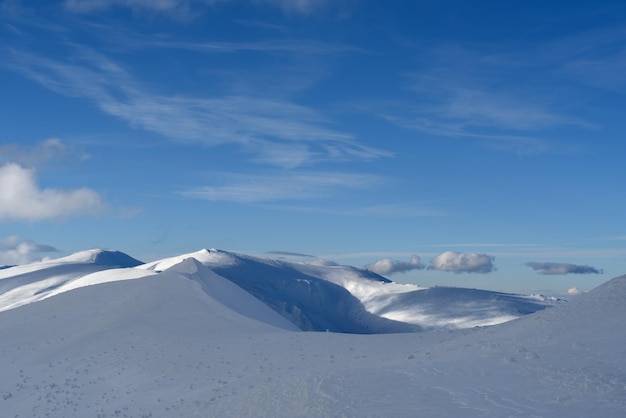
485, 138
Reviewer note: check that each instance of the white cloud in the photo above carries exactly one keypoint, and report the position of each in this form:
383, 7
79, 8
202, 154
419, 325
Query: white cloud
14, 251
22, 199
463, 262
573, 291
389, 266
562, 268
281, 186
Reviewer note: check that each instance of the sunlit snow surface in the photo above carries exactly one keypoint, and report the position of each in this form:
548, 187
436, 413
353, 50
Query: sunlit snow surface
184, 339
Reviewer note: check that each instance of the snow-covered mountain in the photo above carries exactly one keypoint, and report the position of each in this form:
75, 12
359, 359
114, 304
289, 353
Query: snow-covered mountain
314, 296
321, 296
184, 337
29, 283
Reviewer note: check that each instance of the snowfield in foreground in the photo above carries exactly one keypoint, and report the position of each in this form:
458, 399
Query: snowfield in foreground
217, 334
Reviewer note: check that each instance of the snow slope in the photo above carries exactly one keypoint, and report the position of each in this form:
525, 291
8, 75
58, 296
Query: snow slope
20, 285
185, 342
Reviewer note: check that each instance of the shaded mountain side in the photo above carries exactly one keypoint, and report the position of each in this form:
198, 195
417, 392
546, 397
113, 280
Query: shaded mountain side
228, 294
310, 302
346, 299
115, 259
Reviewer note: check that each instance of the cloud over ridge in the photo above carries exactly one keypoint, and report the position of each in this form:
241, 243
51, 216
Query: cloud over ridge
14, 250
562, 268
462, 262
389, 266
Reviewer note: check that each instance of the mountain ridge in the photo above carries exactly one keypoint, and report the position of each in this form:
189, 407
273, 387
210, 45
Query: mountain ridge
314, 296
187, 341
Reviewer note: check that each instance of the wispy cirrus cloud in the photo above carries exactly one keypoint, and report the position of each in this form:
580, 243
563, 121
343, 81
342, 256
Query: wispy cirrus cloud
472, 104
446, 107
618, 238
291, 46
233, 187
275, 129
595, 57
184, 8
465, 91
176, 7
302, 7
431, 123
290, 254
562, 268
387, 210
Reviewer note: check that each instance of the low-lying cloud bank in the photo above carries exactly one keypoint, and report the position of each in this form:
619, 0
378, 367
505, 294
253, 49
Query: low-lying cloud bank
14, 250
389, 266
463, 262
563, 268
451, 261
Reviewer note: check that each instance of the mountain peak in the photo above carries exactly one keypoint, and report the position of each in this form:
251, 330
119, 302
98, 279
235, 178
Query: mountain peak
101, 258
